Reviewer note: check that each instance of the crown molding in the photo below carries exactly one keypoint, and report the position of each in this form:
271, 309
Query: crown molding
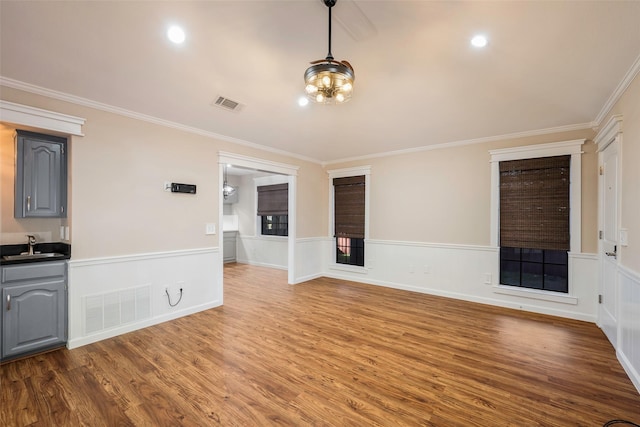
557, 129
618, 92
38, 90
626, 81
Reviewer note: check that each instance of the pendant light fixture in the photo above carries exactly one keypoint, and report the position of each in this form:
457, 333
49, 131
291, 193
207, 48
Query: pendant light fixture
328, 81
227, 190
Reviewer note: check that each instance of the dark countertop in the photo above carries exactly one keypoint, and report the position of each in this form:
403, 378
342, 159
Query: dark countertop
64, 249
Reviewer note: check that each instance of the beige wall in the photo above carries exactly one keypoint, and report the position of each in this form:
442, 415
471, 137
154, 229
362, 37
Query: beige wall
444, 195
629, 107
118, 169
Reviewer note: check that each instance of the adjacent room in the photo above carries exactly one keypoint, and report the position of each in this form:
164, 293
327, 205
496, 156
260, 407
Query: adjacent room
320, 212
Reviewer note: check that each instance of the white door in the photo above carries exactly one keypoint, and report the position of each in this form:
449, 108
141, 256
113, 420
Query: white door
608, 312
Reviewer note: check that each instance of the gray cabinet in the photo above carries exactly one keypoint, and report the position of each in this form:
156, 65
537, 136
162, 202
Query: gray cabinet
229, 246
41, 176
34, 308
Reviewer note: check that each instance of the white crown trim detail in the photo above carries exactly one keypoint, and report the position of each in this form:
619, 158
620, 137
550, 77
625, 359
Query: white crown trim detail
538, 150
619, 91
255, 163
25, 115
609, 132
557, 129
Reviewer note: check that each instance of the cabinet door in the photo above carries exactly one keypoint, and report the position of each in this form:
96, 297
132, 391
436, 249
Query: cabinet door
41, 176
229, 247
34, 317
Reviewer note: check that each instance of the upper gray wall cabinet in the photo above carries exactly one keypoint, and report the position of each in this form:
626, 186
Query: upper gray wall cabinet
41, 176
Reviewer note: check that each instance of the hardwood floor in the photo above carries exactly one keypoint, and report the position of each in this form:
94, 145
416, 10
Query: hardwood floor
329, 353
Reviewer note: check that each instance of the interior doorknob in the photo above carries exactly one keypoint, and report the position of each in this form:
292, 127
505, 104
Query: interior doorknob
614, 253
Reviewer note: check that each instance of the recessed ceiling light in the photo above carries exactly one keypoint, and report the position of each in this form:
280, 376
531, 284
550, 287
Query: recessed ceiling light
479, 41
302, 101
176, 34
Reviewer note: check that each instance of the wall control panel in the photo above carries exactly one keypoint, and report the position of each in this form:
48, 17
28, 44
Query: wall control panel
183, 188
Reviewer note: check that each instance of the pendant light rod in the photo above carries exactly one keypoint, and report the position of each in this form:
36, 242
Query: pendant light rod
330, 4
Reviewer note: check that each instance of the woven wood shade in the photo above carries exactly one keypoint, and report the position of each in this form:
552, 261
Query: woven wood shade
349, 206
273, 199
534, 203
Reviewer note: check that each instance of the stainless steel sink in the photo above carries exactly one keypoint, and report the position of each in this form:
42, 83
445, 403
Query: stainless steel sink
32, 256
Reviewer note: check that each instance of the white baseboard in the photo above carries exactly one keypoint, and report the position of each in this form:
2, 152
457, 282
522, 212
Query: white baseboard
471, 273
261, 264
303, 279
460, 296
89, 339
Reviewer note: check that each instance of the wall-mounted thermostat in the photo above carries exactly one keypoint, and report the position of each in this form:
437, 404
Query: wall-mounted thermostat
183, 188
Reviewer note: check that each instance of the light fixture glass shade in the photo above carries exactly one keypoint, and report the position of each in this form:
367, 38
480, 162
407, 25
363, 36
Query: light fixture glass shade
227, 190
329, 82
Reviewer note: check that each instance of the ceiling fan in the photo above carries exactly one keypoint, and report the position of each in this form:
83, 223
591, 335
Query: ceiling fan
327, 80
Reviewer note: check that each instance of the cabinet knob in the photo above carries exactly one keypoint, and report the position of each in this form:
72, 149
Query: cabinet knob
8, 302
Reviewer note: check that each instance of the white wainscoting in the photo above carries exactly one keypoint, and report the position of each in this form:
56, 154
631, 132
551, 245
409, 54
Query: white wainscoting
114, 295
629, 324
265, 251
469, 273
311, 258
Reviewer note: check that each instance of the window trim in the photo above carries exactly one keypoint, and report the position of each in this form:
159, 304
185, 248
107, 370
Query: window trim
343, 173
572, 148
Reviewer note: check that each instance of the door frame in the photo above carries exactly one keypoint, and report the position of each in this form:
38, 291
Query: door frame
610, 133
291, 171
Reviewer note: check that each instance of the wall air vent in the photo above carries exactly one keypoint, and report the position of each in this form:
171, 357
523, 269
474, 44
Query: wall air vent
227, 104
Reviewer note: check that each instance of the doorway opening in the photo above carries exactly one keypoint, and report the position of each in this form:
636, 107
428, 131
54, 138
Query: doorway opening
242, 219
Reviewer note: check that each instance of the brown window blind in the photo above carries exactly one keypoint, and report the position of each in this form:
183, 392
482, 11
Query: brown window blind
273, 199
349, 206
534, 203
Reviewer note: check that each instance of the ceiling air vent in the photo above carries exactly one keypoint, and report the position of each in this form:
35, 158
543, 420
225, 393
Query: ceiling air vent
227, 104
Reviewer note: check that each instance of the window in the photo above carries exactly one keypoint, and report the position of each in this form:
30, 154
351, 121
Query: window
273, 208
534, 268
350, 250
534, 222
275, 225
349, 219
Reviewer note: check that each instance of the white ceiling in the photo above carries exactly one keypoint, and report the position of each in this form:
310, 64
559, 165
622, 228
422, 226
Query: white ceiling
549, 64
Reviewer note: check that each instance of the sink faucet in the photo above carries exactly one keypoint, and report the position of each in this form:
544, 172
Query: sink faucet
31, 243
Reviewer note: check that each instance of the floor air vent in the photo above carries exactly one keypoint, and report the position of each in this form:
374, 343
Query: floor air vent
227, 104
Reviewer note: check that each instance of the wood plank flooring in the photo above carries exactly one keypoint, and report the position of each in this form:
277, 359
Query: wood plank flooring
328, 353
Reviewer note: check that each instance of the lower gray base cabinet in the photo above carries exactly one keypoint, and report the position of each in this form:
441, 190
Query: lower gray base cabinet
34, 308
229, 246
